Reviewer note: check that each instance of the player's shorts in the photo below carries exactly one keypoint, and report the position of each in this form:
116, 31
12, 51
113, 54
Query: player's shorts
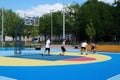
92, 48
47, 49
83, 47
63, 49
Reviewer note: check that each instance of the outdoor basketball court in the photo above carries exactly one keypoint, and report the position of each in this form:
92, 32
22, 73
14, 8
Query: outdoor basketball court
73, 66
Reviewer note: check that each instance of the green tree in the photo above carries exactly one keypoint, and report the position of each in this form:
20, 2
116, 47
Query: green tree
101, 16
57, 23
71, 17
34, 31
90, 30
116, 14
77, 17
11, 19
45, 23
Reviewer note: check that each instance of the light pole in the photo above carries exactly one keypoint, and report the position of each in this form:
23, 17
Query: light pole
2, 24
63, 20
51, 24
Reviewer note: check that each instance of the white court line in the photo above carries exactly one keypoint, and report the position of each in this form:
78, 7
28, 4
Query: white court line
117, 77
6, 78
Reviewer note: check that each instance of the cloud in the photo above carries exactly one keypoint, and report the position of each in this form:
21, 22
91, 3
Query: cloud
107, 1
39, 10
42, 9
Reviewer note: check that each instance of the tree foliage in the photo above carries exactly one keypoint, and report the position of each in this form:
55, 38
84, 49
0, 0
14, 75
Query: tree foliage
11, 20
104, 25
90, 30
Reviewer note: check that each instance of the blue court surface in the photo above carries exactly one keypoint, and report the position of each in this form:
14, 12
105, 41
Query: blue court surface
45, 57
106, 70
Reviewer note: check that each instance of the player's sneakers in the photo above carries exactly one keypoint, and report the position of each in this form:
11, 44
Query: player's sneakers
41, 54
49, 55
61, 54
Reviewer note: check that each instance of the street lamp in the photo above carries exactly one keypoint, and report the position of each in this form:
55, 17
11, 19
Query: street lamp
63, 20
2, 23
51, 24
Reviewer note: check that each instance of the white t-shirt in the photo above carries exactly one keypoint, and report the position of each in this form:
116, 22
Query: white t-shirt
47, 44
63, 43
84, 44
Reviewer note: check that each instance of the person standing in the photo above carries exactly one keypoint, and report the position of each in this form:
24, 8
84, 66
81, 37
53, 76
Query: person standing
93, 47
63, 47
47, 46
83, 47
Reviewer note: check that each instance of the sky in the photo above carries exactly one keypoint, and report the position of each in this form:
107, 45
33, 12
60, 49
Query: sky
38, 7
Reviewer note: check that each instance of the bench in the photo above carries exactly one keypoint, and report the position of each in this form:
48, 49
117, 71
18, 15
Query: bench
36, 46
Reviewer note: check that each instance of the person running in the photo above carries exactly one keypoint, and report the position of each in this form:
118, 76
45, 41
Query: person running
93, 47
83, 47
47, 46
63, 48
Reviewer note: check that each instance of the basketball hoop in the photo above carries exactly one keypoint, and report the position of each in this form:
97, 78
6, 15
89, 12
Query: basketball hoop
34, 21
33, 24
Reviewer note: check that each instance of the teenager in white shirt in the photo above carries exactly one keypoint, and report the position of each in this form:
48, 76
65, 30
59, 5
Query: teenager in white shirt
83, 47
47, 46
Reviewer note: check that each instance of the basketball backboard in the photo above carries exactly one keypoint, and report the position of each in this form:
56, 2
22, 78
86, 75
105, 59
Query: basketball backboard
32, 21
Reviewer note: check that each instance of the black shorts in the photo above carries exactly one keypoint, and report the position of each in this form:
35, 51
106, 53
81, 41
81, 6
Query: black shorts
63, 49
92, 48
47, 49
83, 48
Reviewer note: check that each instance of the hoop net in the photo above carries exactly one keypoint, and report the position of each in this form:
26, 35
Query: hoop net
34, 21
